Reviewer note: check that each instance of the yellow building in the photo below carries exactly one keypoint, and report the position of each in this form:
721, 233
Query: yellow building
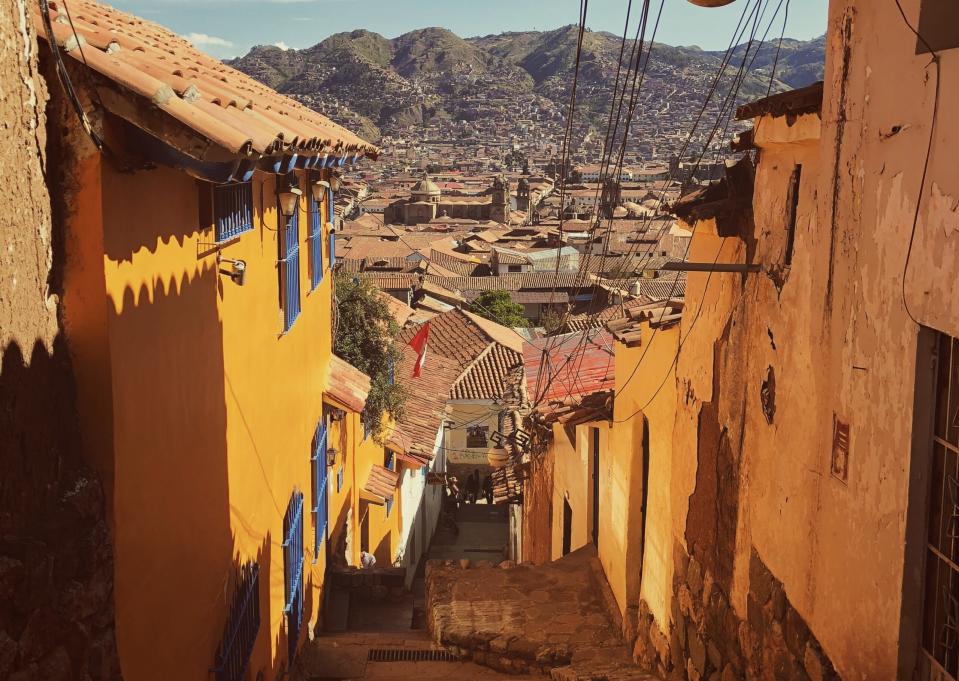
197, 305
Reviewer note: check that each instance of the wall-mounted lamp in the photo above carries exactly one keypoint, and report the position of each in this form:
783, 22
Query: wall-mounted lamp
237, 272
287, 201
331, 456
336, 182
319, 188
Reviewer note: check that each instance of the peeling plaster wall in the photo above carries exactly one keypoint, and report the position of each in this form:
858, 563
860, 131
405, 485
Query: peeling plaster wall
808, 549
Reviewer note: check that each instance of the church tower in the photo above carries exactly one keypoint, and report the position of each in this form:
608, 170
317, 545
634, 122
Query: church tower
499, 191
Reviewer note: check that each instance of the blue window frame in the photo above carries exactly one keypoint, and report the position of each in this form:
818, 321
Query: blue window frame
332, 220
293, 571
318, 463
232, 209
316, 241
242, 625
290, 268
390, 465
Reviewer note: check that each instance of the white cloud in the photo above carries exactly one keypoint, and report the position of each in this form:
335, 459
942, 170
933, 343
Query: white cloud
202, 39
282, 45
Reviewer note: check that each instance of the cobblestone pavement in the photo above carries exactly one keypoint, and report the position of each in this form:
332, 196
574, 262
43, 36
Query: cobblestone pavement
546, 619
345, 657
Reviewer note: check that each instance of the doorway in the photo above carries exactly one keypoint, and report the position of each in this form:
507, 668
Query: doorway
567, 526
594, 466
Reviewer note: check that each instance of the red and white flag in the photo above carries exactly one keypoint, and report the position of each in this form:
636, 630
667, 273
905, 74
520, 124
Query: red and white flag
418, 343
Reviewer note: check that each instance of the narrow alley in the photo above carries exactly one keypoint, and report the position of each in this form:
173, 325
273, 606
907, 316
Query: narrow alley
473, 614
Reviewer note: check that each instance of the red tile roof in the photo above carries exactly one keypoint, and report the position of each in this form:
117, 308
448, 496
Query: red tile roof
415, 431
577, 364
381, 482
347, 385
453, 335
488, 376
224, 106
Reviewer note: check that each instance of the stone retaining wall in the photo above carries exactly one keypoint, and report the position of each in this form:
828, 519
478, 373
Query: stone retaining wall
707, 640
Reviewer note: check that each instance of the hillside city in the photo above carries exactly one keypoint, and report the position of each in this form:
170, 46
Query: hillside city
542, 354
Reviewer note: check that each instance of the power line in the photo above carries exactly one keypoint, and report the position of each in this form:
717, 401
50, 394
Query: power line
925, 164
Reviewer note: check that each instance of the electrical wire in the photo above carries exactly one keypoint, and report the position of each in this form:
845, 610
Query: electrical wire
755, 17
64, 77
935, 61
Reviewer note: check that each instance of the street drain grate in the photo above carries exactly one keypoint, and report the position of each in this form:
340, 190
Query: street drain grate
403, 655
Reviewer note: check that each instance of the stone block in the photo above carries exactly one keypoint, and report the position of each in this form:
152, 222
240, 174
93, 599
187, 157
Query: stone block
697, 651
796, 633
694, 577
500, 644
760, 579
779, 602
715, 657
812, 663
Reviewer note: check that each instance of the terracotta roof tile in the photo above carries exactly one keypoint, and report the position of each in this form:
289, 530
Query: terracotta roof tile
453, 335
415, 432
219, 103
347, 385
578, 364
381, 482
487, 377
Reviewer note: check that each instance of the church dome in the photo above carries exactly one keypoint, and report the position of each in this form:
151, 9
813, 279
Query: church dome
425, 187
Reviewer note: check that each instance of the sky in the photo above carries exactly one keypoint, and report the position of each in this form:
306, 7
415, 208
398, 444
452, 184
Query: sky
228, 28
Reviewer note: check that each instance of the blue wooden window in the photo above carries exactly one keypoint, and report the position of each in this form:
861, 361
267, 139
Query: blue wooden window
242, 625
293, 570
339, 480
332, 220
390, 464
318, 462
316, 241
290, 268
232, 209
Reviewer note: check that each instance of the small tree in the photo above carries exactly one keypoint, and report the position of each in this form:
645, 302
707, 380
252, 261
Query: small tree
498, 307
366, 338
552, 321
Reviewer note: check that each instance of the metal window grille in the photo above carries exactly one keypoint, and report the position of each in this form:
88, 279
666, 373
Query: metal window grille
329, 204
242, 625
290, 269
293, 570
316, 242
390, 465
318, 462
232, 209
939, 658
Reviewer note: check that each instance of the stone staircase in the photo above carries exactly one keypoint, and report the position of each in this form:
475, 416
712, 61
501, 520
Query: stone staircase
551, 619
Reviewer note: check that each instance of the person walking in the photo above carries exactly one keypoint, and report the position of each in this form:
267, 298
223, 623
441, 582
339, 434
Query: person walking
472, 486
488, 489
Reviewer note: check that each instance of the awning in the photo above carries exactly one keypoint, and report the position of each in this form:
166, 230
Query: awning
380, 485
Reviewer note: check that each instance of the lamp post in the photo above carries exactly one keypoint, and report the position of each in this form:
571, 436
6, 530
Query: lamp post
319, 189
288, 200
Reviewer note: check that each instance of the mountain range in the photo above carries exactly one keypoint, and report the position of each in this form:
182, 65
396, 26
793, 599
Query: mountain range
379, 85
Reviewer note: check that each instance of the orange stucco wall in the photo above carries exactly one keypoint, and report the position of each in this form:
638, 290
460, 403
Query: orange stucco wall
209, 407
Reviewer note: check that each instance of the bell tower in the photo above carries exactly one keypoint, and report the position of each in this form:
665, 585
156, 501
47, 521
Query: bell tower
499, 192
